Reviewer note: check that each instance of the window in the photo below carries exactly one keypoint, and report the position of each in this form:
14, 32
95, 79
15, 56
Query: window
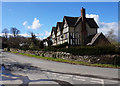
71, 41
66, 36
78, 41
73, 35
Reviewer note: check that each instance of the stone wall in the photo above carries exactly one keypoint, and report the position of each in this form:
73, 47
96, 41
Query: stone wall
103, 59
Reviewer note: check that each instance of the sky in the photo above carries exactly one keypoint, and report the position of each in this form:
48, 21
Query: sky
40, 17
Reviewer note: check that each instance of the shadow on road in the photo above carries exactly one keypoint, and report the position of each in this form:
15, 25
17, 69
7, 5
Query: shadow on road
8, 76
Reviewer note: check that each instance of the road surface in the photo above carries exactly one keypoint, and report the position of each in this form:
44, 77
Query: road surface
19, 69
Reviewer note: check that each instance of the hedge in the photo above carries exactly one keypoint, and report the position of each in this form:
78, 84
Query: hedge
91, 50
82, 50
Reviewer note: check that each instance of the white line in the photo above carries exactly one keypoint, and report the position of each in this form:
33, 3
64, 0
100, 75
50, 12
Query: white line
79, 79
69, 75
100, 81
12, 60
115, 81
96, 79
54, 73
63, 77
97, 82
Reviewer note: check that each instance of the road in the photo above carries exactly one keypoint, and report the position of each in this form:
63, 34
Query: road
18, 69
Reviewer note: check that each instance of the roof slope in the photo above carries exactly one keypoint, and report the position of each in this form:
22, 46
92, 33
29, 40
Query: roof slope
94, 38
91, 22
71, 20
59, 24
54, 30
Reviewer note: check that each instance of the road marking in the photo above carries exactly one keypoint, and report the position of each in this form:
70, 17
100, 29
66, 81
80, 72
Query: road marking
79, 79
100, 81
64, 77
48, 72
12, 60
69, 75
56, 74
115, 81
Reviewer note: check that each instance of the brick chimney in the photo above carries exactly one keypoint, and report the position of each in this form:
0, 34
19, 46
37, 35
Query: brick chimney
83, 14
84, 32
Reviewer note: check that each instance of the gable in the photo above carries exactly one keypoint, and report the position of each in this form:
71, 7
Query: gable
59, 26
70, 20
90, 21
54, 31
99, 39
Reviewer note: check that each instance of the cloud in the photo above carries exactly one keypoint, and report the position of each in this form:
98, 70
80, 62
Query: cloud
96, 17
35, 25
25, 35
47, 33
103, 26
24, 23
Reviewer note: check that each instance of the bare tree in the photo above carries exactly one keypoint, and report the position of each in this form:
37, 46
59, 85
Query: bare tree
5, 31
111, 36
15, 31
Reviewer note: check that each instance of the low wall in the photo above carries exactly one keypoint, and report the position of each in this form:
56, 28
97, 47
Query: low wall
103, 59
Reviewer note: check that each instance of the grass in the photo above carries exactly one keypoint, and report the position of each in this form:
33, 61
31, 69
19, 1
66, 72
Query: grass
69, 61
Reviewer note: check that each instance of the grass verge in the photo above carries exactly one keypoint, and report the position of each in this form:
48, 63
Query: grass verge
69, 61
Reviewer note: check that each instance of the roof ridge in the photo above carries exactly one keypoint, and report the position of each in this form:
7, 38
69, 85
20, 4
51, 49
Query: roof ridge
71, 16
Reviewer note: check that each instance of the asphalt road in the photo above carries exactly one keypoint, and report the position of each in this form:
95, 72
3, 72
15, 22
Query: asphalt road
18, 69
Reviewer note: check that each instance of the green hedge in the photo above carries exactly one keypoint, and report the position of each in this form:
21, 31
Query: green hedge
82, 50
50, 48
91, 50
61, 45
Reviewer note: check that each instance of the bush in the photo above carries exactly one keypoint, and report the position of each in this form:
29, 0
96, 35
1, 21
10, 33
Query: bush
50, 48
61, 45
90, 50
81, 50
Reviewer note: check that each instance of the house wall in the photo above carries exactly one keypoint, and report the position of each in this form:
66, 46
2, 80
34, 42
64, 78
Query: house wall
53, 39
91, 31
58, 31
74, 32
78, 29
65, 33
78, 33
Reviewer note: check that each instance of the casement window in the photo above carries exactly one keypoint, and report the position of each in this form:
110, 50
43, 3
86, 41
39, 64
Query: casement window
78, 41
65, 36
73, 35
71, 41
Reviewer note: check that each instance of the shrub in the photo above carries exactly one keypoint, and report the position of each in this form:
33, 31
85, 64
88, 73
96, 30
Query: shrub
50, 48
90, 50
61, 45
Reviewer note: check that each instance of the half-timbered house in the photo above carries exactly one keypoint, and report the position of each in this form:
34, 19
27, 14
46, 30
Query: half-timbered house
77, 31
